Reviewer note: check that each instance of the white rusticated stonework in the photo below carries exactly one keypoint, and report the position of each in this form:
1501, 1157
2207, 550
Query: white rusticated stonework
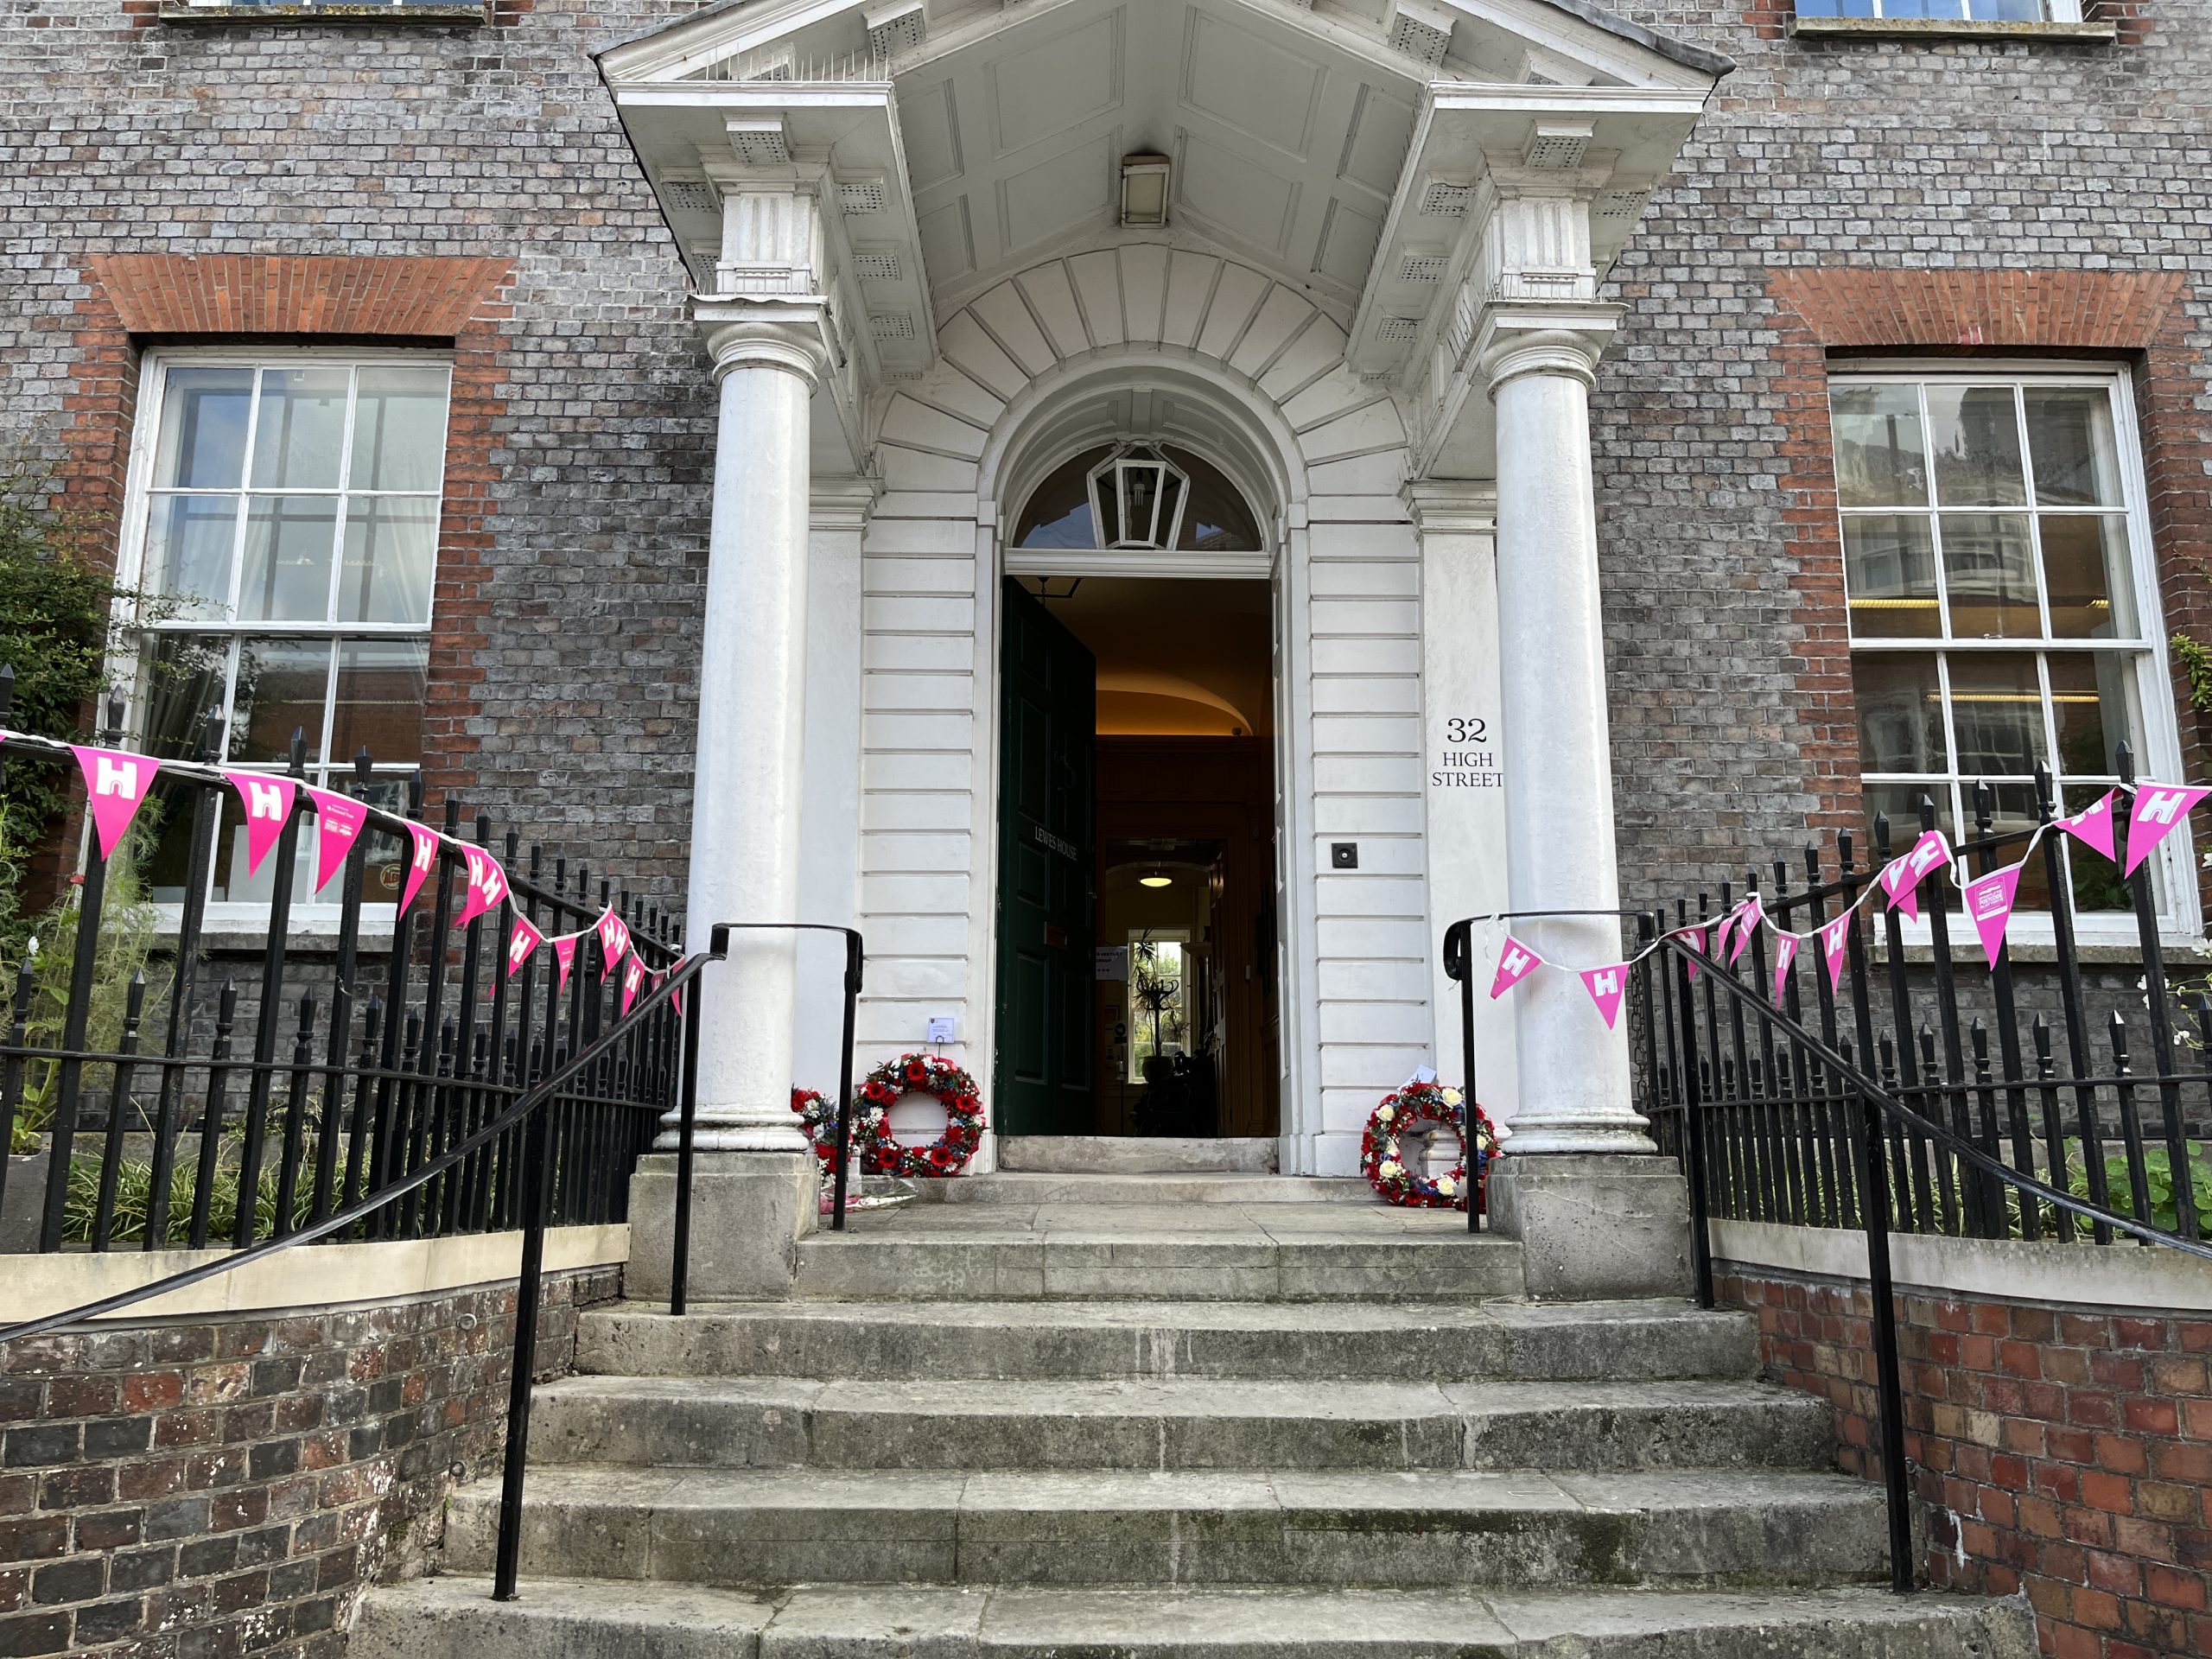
771, 239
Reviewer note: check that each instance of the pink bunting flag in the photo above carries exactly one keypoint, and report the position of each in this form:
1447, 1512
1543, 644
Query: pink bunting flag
421, 859
1989, 906
524, 940
632, 977
1835, 946
564, 953
2155, 813
1749, 915
1785, 953
613, 940
1901, 879
1516, 962
1696, 937
2092, 825
487, 884
1606, 987
338, 822
115, 783
267, 797
1721, 929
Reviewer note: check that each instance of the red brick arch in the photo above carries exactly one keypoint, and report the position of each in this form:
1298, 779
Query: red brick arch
2138, 316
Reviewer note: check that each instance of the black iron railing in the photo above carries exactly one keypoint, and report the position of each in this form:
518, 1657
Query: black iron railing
173, 1111
1910, 1090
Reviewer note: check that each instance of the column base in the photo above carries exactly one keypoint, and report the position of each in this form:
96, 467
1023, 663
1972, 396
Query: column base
1594, 1228
1601, 1133
732, 1133
748, 1213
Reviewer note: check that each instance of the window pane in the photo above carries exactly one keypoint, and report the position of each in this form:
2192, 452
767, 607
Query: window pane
2087, 573
390, 543
183, 679
2071, 438
1901, 803
1217, 519
188, 541
286, 574
203, 428
385, 861
1888, 564
2092, 695
1058, 511
281, 687
379, 701
1880, 461
2013, 812
2096, 881
1900, 713
301, 429
1989, 572
1974, 434
165, 821
399, 429
1996, 714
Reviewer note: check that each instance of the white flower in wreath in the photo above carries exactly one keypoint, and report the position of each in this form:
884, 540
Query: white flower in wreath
1446, 1186
1391, 1170
1385, 1114
1452, 1096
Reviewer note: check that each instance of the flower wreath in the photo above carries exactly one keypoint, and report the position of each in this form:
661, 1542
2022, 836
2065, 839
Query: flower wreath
1402, 1112
952, 1088
817, 1115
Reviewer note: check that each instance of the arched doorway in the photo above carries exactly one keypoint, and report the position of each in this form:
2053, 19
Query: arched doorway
1137, 981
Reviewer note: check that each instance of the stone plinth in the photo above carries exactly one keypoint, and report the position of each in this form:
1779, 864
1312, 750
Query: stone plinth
748, 1212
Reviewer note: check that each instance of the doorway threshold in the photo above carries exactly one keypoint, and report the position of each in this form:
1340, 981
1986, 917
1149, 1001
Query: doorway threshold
1120, 1155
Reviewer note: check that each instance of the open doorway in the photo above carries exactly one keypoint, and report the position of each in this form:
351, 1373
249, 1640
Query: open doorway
1147, 701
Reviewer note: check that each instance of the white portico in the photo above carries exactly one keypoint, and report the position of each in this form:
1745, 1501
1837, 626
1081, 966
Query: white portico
1372, 308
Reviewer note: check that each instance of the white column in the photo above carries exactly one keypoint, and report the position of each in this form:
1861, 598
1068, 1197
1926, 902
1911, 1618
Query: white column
1574, 1088
749, 780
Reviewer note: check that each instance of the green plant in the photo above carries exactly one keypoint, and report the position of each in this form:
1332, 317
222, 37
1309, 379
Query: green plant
57, 630
134, 1189
129, 930
2195, 663
2157, 1185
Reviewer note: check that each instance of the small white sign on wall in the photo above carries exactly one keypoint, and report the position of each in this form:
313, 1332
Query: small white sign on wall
1109, 962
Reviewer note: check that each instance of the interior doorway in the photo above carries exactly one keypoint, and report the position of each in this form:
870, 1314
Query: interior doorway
1138, 989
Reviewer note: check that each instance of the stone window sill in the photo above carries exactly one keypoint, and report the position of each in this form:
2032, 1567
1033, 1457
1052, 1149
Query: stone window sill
1909, 28
311, 15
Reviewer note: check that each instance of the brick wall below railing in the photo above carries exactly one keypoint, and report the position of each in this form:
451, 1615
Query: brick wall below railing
227, 1485
2065, 1451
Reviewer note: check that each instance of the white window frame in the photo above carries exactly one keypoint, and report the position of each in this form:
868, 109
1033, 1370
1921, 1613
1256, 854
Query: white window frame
2158, 748
310, 913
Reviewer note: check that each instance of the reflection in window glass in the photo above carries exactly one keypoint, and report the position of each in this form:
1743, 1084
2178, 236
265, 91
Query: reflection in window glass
2021, 572
290, 531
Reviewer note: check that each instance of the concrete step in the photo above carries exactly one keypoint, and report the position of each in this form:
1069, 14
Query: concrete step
1018, 1262
1181, 1186
1335, 1528
456, 1619
768, 1422
1128, 1154
957, 1340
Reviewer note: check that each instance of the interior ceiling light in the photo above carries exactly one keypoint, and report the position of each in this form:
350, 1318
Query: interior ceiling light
1144, 189
1159, 877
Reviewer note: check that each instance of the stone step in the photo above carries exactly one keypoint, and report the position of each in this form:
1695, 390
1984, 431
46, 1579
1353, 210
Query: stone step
1411, 1342
456, 1619
1130, 1154
767, 1422
1022, 1263
1183, 1187
1422, 1528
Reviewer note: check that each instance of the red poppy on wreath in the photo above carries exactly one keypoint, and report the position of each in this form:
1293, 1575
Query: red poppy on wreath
819, 1118
951, 1087
1417, 1111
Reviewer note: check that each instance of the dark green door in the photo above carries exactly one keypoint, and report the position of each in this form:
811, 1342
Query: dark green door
1048, 723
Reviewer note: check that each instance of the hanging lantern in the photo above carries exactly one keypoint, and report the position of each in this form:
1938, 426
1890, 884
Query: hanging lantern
1136, 497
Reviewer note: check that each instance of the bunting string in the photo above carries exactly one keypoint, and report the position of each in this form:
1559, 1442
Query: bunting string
118, 781
2155, 811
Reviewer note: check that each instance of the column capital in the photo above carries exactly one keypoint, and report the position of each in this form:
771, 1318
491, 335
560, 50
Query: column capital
1561, 340
841, 503
791, 335
1452, 508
